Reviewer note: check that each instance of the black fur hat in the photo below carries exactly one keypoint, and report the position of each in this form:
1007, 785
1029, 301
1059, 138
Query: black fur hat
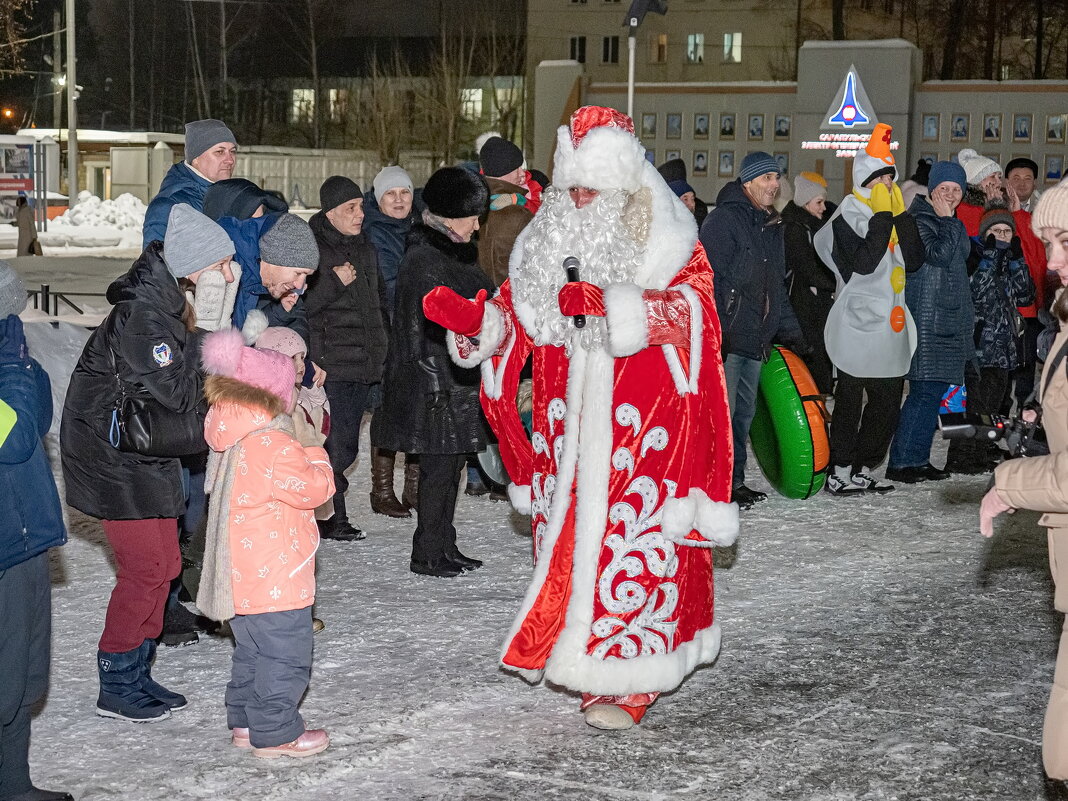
453, 193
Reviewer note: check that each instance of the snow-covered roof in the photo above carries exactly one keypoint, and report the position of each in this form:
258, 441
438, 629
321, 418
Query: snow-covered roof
116, 137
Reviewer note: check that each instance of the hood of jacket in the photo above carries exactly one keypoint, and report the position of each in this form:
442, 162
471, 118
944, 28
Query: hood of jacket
423, 235
149, 281
236, 411
733, 194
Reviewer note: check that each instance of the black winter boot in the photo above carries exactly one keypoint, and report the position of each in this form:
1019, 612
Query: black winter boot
121, 695
172, 700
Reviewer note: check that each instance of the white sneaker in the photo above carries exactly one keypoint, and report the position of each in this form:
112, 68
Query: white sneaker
867, 483
836, 486
609, 717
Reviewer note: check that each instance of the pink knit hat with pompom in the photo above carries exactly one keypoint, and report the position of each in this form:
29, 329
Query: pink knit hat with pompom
225, 353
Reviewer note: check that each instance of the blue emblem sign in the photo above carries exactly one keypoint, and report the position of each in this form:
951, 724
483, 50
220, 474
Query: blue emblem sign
850, 112
162, 354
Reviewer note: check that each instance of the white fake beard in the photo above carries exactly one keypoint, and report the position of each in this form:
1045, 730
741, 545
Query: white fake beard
598, 238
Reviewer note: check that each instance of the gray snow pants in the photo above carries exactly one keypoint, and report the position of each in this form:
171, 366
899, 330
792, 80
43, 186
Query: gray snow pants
26, 612
271, 670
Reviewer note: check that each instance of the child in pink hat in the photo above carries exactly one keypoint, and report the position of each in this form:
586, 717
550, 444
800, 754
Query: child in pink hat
259, 560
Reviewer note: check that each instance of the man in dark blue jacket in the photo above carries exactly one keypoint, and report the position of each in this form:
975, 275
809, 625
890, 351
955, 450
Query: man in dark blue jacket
32, 523
743, 237
210, 156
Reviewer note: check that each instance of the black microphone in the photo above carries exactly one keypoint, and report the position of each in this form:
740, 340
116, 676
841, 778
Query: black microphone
571, 265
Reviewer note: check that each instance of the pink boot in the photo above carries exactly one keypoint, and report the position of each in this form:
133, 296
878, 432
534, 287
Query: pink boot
312, 742
239, 737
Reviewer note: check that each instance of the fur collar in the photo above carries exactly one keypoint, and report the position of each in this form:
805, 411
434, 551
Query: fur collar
222, 389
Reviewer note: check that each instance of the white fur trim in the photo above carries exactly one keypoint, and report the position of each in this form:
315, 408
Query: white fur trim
520, 497
716, 521
671, 353
607, 158
489, 339
628, 331
255, 324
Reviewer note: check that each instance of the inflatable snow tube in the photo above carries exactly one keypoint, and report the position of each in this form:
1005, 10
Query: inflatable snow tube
789, 432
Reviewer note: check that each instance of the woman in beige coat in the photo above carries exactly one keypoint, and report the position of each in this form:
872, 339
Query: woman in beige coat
1041, 483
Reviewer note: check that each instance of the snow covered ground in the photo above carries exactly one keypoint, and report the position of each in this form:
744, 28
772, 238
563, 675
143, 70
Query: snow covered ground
873, 648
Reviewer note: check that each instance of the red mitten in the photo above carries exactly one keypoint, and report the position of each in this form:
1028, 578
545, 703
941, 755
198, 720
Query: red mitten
579, 297
445, 307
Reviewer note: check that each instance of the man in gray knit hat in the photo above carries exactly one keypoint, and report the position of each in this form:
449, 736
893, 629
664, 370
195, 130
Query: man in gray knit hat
210, 156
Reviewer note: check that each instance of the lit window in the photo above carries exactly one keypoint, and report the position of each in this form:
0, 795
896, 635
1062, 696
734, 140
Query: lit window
471, 104
578, 49
301, 105
609, 49
339, 103
578, 2
695, 48
732, 47
658, 48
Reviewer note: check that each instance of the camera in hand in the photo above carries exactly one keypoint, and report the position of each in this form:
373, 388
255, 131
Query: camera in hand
1021, 438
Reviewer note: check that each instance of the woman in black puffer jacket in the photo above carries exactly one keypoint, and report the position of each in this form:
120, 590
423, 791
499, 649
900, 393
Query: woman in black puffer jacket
431, 406
148, 343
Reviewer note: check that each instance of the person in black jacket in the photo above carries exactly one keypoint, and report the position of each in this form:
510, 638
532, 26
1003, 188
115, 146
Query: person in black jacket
147, 344
346, 306
811, 283
31, 524
743, 236
431, 406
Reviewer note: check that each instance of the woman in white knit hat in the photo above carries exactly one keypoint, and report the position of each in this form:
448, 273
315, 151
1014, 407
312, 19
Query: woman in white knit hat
1041, 482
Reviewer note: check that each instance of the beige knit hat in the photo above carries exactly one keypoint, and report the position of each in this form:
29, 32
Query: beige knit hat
1052, 209
808, 186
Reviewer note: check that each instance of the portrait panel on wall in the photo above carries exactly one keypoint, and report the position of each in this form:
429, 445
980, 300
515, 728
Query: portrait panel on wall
700, 162
673, 126
672, 154
991, 127
648, 126
930, 158
1054, 169
1055, 125
726, 164
756, 126
782, 158
700, 126
726, 126
932, 124
782, 126
959, 126
1021, 127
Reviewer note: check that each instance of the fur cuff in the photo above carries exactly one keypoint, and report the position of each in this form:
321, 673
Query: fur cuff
628, 331
466, 352
520, 496
716, 521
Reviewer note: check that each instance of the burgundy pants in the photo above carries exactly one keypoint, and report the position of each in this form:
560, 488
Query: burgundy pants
148, 558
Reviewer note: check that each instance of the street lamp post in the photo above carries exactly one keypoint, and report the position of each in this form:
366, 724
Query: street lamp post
72, 110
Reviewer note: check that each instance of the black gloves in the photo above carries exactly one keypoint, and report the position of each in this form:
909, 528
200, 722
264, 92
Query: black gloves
1016, 249
437, 401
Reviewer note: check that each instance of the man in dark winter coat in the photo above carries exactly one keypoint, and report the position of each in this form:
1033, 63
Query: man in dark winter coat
675, 170
810, 282
210, 156
502, 165
743, 236
346, 305
31, 524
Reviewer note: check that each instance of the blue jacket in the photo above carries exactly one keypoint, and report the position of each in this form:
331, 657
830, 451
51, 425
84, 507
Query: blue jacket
180, 185
32, 522
388, 235
251, 293
940, 298
745, 246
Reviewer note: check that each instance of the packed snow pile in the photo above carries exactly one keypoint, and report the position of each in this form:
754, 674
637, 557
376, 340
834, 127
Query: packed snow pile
124, 213
92, 222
